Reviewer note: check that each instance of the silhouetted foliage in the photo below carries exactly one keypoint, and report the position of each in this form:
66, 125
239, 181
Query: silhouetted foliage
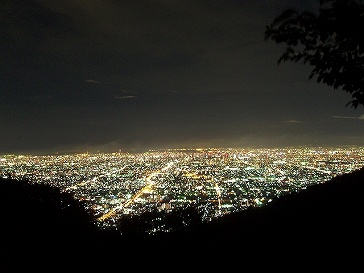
183, 217
331, 41
138, 224
159, 221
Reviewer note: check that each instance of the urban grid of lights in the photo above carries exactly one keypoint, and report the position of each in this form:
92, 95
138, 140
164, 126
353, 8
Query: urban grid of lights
216, 181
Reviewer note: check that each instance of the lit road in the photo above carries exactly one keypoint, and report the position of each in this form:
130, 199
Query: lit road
218, 192
146, 188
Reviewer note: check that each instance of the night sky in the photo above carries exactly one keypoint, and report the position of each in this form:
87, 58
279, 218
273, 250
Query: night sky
109, 75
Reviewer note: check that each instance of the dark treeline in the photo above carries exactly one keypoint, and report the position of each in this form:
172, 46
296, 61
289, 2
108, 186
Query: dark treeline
316, 230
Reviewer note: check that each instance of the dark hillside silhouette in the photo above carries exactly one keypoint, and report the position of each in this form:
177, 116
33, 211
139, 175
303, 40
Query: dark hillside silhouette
40, 224
316, 230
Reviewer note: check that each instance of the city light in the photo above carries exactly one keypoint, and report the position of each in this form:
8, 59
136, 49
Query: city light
216, 181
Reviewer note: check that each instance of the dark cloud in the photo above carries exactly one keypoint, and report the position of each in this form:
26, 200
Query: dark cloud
104, 74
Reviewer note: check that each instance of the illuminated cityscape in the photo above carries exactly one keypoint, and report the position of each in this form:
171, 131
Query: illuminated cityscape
216, 181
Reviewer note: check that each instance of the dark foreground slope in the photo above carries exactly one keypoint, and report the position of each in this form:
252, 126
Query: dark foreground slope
40, 227
316, 230
319, 229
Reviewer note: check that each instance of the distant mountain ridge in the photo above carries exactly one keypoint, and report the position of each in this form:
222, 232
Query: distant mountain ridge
318, 229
